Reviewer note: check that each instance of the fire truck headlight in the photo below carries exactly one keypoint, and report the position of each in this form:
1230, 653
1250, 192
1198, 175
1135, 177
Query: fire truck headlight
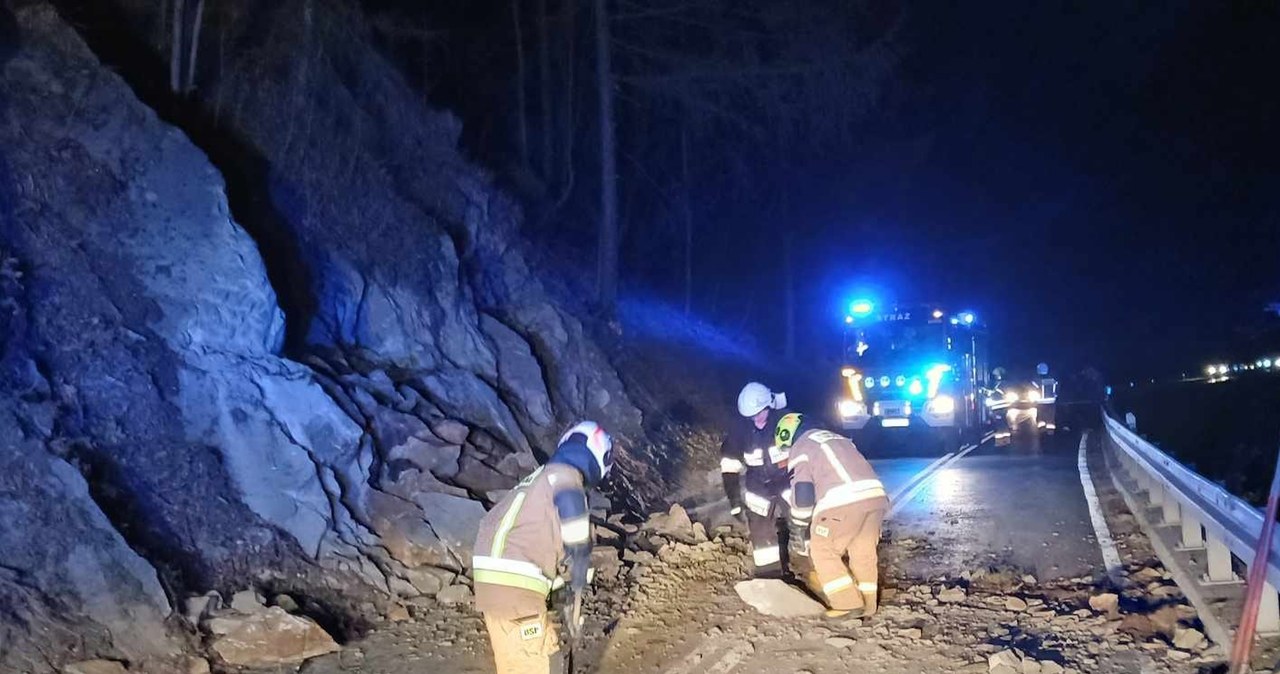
884, 380
916, 387
943, 404
1033, 395
900, 380
1011, 397
869, 382
851, 408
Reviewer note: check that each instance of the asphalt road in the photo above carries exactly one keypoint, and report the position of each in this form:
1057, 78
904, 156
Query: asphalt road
1016, 506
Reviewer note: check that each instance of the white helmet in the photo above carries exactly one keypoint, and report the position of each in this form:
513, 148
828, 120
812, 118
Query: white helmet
596, 440
756, 397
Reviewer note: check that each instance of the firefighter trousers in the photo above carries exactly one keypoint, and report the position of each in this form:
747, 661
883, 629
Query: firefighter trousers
766, 545
770, 553
853, 532
523, 645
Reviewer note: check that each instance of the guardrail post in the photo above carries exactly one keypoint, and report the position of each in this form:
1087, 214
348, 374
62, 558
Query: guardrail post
1144, 480
1219, 562
1192, 534
1172, 510
1269, 611
1155, 492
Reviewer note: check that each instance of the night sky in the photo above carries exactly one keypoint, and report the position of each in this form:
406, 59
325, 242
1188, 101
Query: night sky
1097, 180
1100, 185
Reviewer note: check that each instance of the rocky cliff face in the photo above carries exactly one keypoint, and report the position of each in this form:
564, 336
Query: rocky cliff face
316, 386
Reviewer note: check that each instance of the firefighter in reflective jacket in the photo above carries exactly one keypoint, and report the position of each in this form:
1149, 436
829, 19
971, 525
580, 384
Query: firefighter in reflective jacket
523, 542
835, 490
755, 475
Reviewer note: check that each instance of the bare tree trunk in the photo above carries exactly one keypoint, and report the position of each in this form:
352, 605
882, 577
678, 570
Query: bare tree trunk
568, 113
544, 91
194, 49
162, 26
607, 251
522, 118
175, 47
688, 221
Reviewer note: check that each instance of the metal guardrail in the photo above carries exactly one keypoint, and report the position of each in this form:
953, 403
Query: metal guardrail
1211, 518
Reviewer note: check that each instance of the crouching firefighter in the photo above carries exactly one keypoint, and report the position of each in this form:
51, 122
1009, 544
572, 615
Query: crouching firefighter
539, 527
755, 475
836, 492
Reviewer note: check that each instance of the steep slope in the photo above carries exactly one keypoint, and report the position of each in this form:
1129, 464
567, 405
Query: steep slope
315, 385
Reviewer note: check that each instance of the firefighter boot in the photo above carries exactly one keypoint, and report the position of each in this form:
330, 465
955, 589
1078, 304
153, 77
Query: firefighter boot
868, 601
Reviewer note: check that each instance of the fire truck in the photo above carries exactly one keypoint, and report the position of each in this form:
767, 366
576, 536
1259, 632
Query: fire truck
913, 370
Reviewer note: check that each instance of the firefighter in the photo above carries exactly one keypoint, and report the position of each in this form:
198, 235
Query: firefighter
539, 527
837, 494
755, 475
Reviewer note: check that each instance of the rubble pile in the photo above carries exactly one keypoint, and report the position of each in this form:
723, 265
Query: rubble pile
650, 566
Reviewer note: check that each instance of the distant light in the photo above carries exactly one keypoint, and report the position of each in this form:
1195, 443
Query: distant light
1266, 362
848, 372
884, 380
937, 313
967, 317
1211, 370
869, 382
955, 321
848, 320
861, 307
900, 381
916, 388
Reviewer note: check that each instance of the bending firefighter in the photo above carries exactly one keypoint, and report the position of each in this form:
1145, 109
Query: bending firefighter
755, 475
837, 495
540, 526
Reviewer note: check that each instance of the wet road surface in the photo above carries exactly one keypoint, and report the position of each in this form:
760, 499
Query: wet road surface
1019, 505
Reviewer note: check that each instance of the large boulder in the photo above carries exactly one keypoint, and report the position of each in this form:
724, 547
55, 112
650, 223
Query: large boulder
64, 563
317, 384
267, 638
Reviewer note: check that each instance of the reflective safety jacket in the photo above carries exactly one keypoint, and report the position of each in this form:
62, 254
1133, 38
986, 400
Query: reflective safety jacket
750, 461
828, 471
524, 539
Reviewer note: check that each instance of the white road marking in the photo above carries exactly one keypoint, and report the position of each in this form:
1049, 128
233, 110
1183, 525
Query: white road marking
893, 498
729, 660
724, 665
1110, 558
690, 660
921, 479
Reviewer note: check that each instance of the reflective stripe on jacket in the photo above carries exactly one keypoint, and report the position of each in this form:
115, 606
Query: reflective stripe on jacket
838, 471
520, 542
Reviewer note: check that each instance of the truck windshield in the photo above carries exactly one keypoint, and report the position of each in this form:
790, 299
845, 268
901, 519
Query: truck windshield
897, 342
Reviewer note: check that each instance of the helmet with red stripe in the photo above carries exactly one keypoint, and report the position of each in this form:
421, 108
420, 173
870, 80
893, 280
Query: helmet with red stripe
589, 435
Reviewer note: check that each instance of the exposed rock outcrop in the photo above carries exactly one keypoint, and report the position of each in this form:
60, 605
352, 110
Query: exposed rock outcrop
315, 385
